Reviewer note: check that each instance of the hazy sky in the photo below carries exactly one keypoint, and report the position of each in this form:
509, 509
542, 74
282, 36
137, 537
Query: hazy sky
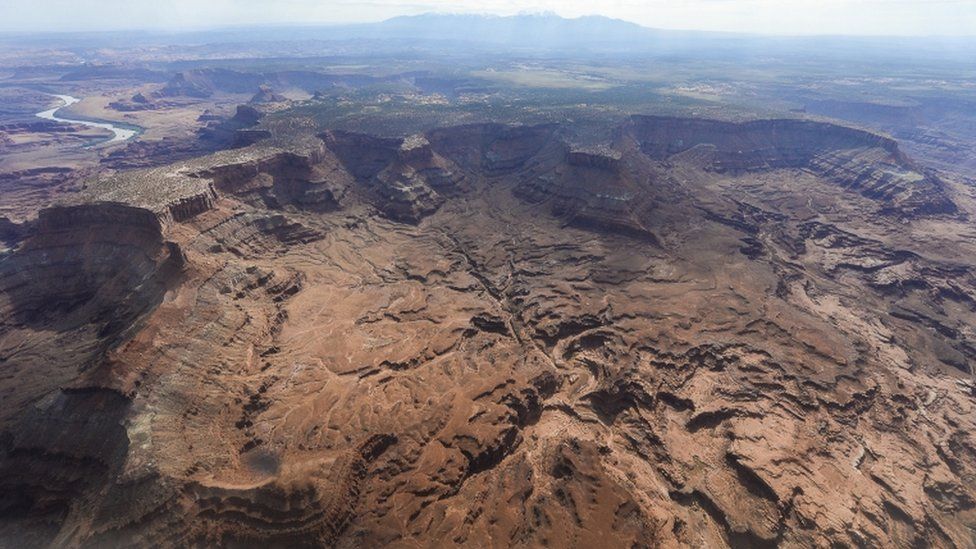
898, 17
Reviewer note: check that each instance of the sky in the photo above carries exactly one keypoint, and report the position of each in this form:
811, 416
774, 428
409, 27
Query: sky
852, 17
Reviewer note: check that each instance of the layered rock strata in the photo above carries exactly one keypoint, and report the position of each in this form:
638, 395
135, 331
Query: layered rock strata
456, 338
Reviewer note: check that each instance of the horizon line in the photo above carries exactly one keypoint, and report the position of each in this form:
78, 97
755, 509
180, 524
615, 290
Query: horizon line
170, 30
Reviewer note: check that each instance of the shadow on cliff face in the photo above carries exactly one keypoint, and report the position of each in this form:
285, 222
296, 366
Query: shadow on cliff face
82, 272
867, 163
63, 447
103, 264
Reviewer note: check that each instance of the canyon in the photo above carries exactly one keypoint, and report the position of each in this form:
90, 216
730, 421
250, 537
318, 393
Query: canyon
696, 332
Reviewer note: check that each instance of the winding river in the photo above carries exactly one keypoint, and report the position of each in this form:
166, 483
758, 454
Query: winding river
119, 134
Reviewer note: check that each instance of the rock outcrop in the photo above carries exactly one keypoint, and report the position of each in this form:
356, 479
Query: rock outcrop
266, 95
187, 84
85, 256
281, 178
404, 178
138, 102
868, 163
691, 336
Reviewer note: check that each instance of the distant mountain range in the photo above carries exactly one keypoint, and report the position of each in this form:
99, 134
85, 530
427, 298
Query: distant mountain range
537, 31
520, 29
543, 33
547, 31
550, 32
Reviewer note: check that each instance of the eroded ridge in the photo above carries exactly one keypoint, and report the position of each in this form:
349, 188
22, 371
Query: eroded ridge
493, 335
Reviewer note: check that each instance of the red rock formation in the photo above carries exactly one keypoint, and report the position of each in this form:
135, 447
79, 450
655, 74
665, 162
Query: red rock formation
866, 162
209, 359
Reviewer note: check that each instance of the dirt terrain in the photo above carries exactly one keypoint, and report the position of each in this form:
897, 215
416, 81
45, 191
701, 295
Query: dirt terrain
695, 333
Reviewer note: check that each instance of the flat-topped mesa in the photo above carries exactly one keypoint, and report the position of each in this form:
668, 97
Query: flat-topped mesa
494, 149
188, 207
266, 94
363, 155
600, 157
871, 164
239, 130
403, 178
294, 172
406, 188
587, 185
110, 214
405, 196
107, 247
138, 102
755, 144
298, 171
103, 256
167, 194
512, 148
416, 159
105, 223
303, 176
590, 187
237, 175
415, 148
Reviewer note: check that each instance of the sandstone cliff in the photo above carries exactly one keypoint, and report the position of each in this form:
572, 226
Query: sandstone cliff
699, 334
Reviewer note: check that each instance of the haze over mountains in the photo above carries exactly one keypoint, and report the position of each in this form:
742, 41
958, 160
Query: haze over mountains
533, 34
780, 17
485, 281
